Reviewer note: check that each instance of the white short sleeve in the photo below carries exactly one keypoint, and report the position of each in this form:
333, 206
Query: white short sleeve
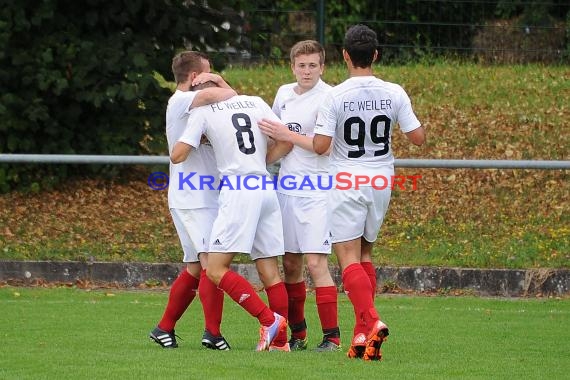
195, 128
326, 118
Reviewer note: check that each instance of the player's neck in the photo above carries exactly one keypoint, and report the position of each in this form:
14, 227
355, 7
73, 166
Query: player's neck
360, 71
183, 86
301, 90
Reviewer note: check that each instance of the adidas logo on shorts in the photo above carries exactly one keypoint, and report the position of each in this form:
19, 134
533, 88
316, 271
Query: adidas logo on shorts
217, 242
326, 242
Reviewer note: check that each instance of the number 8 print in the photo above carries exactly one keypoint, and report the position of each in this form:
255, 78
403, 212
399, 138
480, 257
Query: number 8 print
241, 128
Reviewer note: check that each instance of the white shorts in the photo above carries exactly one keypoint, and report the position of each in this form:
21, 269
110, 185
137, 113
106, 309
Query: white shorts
356, 213
249, 221
305, 224
193, 228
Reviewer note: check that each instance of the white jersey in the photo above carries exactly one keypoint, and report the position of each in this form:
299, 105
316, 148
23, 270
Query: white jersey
299, 113
231, 126
201, 162
361, 113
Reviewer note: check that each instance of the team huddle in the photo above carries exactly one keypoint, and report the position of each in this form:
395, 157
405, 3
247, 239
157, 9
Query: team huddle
313, 130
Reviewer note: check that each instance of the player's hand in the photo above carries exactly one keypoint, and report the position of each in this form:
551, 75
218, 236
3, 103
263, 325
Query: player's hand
275, 130
206, 77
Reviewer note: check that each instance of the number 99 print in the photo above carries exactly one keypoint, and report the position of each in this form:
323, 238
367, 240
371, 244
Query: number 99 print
341, 181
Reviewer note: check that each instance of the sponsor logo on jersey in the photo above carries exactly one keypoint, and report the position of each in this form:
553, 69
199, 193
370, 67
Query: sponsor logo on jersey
294, 127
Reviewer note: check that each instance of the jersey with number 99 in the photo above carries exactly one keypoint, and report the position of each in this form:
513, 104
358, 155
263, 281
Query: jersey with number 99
360, 113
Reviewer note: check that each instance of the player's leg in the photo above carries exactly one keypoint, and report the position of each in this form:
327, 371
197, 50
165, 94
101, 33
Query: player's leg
348, 205
356, 284
198, 223
232, 232
366, 262
212, 299
377, 209
327, 300
267, 247
359, 291
378, 202
293, 268
243, 293
182, 291
315, 241
269, 275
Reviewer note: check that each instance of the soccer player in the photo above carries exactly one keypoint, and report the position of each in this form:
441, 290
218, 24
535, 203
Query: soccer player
306, 230
249, 218
358, 116
193, 212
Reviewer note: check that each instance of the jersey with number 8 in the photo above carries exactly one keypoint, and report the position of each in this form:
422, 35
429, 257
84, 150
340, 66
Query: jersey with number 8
231, 126
361, 113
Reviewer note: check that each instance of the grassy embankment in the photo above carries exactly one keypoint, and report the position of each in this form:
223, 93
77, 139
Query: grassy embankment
456, 217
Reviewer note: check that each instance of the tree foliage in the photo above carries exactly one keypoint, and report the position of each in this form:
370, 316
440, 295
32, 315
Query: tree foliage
78, 77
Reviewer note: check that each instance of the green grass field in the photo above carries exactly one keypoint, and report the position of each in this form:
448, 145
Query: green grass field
66, 333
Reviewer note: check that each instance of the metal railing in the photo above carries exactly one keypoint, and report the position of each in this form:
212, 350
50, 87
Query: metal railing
403, 163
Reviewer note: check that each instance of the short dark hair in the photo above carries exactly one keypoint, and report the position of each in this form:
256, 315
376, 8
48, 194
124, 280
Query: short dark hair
360, 42
186, 62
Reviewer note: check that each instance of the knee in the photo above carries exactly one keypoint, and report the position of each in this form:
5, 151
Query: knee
293, 264
269, 276
194, 269
214, 275
317, 264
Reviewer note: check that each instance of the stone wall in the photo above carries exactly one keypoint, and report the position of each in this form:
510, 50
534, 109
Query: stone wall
488, 282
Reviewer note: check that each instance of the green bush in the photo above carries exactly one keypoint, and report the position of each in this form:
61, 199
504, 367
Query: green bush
78, 77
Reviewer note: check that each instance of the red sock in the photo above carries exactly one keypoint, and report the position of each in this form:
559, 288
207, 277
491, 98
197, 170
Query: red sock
297, 294
277, 297
357, 287
371, 272
241, 291
182, 293
212, 300
328, 312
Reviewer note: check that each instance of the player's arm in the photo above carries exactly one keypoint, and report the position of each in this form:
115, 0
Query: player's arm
219, 91
408, 121
417, 136
212, 95
322, 144
180, 152
191, 138
324, 127
276, 150
280, 132
211, 77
